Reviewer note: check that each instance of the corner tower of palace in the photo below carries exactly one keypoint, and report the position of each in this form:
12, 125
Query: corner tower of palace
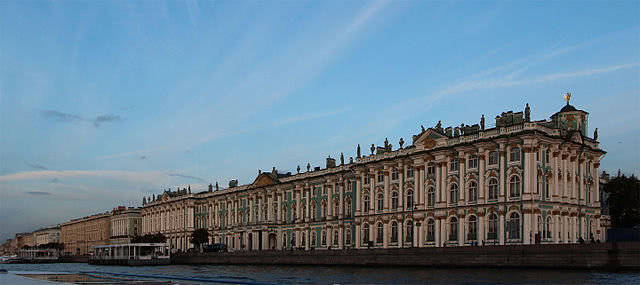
519, 182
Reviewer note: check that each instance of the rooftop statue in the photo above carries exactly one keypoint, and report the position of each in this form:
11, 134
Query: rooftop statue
373, 148
401, 142
298, 168
341, 158
567, 97
482, 122
595, 134
358, 151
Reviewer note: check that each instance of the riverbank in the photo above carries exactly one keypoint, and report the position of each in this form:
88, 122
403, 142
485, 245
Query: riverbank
610, 256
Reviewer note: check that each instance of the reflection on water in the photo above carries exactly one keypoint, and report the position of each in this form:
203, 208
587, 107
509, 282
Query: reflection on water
370, 275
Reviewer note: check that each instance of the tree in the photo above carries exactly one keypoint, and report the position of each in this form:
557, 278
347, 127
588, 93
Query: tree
624, 200
199, 236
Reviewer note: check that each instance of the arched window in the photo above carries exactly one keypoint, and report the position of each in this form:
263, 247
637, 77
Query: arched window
492, 234
394, 200
431, 197
513, 226
380, 233
314, 238
336, 207
431, 230
347, 238
453, 193
303, 241
514, 154
548, 227
473, 228
473, 191
293, 238
347, 207
336, 236
380, 202
324, 238
453, 229
514, 187
547, 188
394, 231
493, 189
409, 233
409, 199
324, 209
312, 213
284, 239
365, 203
365, 233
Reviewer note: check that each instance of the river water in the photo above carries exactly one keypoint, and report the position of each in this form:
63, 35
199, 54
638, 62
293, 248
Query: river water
351, 275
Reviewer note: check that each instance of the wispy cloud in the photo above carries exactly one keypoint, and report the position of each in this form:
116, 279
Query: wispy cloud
187, 176
508, 81
105, 119
38, 193
62, 117
71, 118
143, 157
38, 166
141, 176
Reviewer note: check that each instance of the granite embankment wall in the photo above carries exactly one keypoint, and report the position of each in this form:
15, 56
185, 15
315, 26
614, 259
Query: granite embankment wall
75, 259
614, 256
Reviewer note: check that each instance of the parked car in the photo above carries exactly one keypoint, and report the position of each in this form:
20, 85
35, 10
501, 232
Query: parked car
216, 247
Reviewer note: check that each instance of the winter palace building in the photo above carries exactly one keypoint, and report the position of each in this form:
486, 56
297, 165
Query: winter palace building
519, 182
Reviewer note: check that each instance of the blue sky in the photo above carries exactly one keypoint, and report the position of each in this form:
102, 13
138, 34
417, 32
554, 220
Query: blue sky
104, 102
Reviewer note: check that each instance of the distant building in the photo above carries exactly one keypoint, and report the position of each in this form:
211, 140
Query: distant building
80, 235
47, 235
519, 182
126, 223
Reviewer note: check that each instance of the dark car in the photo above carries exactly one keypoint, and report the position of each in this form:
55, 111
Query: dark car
216, 247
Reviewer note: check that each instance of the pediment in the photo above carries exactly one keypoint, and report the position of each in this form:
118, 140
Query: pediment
428, 139
263, 180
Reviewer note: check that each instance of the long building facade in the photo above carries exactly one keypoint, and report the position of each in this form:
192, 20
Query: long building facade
519, 182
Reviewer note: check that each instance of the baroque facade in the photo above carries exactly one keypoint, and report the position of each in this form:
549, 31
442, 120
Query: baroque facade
126, 223
520, 182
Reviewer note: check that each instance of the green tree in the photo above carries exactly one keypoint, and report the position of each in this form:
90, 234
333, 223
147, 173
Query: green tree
199, 236
624, 200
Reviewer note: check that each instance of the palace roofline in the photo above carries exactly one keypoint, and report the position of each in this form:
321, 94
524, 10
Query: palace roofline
512, 123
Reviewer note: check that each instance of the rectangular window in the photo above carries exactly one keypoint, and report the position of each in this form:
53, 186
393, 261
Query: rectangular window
455, 164
395, 174
431, 168
410, 172
380, 177
473, 162
493, 158
514, 155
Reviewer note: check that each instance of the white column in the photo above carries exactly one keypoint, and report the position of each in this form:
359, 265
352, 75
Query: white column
437, 232
501, 229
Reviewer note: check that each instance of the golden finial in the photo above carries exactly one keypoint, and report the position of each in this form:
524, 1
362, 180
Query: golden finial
567, 97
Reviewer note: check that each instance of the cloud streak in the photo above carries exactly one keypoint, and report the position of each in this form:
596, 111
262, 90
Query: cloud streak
38, 166
71, 118
38, 193
187, 176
